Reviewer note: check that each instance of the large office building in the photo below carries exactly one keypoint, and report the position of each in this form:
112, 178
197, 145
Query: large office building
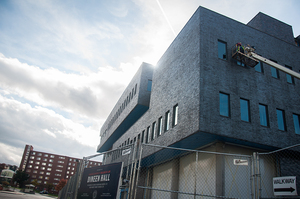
48, 168
199, 97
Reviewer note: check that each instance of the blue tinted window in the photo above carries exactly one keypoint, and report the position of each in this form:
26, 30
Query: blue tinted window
175, 115
274, 72
167, 121
263, 115
280, 119
149, 86
259, 67
222, 52
289, 78
296, 119
224, 104
245, 116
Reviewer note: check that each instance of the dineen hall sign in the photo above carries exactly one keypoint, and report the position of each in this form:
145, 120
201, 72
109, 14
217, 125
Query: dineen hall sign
100, 182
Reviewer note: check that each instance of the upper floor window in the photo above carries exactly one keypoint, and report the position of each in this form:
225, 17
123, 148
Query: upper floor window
222, 50
148, 136
296, 119
143, 135
263, 115
274, 71
245, 110
159, 130
259, 67
224, 104
167, 121
153, 131
289, 78
175, 115
281, 119
149, 86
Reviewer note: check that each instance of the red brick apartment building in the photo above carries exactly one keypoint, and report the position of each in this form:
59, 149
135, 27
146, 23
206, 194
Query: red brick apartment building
49, 168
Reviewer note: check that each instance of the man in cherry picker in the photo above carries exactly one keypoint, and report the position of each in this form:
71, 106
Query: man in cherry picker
239, 47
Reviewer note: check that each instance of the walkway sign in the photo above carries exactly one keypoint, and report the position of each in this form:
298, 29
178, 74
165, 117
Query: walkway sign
101, 182
285, 186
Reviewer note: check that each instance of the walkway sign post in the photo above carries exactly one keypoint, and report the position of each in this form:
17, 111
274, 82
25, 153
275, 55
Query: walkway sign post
285, 186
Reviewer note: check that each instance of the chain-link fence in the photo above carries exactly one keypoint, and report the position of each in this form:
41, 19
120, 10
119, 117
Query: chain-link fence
181, 173
279, 163
152, 172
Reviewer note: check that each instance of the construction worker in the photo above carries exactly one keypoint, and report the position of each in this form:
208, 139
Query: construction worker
240, 48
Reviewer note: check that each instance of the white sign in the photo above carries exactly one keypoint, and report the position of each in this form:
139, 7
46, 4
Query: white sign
126, 151
240, 162
285, 186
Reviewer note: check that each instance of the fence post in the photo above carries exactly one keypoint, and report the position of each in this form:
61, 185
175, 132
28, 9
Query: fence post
139, 168
195, 175
256, 176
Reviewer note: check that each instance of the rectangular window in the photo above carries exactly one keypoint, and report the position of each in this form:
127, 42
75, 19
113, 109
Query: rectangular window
222, 50
281, 120
143, 135
175, 115
289, 78
263, 115
149, 86
296, 119
224, 104
167, 121
245, 110
274, 71
153, 131
259, 67
148, 136
159, 130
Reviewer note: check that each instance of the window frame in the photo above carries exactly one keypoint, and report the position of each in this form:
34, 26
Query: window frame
281, 121
266, 115
219, 47
247, 108
175, 115
296, 121
167, 121
221, 103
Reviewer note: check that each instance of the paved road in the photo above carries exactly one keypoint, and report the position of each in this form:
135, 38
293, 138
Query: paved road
18, 195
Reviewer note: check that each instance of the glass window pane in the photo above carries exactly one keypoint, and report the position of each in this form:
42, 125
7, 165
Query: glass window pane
259, 68
175, 115
167, 121
224, 104
280, 119
274, 72
159, 126
153, 131
222, 53
244, 110
263, 114
289, 78
296, 119
149, 86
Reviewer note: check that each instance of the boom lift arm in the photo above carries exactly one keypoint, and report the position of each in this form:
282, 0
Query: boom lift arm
249, 57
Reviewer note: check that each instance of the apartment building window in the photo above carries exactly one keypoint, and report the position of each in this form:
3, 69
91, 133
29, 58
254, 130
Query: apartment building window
274, 71
289, 78
42, 172
175, 115
159, 130
49, 169
49, 165
37, 163
153, 131
45, 155
39, 154
38, 158
281, 120
259, 67
149, 86
44, 164
222, 50
263, 115
167, 121
245, 110
50, 160
143, 135
224, 104
31, 157
296, 119
148, 135
44, 159
51, 156
48, 173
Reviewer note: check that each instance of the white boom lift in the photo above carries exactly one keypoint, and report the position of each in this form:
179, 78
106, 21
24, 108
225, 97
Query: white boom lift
250, 58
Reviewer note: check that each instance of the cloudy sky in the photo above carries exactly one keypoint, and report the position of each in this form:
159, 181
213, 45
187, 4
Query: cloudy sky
64, 64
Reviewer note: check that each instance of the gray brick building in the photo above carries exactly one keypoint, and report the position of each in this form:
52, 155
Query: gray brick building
199, 97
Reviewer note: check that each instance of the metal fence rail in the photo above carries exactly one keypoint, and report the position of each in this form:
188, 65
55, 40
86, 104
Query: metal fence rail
152, 172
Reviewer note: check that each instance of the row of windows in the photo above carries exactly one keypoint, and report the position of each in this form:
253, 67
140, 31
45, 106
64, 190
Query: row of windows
156, 129
224, 104
121, 108
222, 54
